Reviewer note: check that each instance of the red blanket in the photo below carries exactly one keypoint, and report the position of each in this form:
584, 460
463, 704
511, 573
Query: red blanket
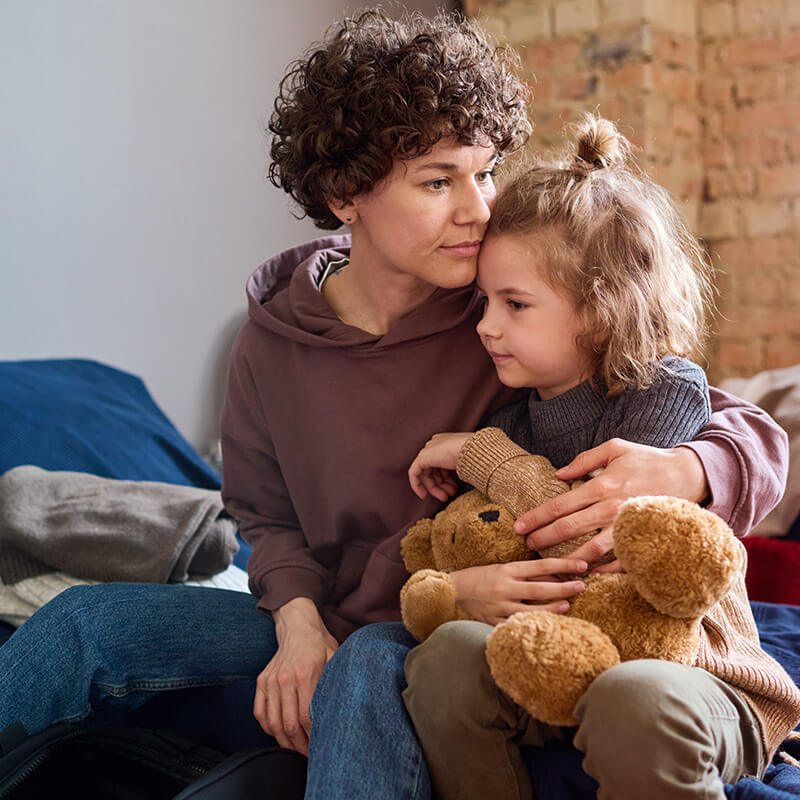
773, 572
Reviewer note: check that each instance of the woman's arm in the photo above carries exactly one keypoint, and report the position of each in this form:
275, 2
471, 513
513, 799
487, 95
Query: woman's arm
737, 466
288, 582
745, 458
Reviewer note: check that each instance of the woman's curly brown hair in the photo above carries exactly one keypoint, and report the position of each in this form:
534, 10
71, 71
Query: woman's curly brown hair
376, 90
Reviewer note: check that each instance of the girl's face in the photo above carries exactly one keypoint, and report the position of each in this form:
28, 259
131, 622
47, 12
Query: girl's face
529, 330
428, 217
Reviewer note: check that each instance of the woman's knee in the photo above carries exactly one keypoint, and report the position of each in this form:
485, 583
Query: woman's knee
377, 649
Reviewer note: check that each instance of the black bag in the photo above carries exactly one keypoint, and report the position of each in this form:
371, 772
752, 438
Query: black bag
136, 764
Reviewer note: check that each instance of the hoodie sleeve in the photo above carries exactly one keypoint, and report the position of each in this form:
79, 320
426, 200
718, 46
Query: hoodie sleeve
281, 566
745, 455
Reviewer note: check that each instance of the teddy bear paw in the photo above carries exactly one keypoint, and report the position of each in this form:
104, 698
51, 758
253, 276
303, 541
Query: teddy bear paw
545, 662
427, 601
681, 558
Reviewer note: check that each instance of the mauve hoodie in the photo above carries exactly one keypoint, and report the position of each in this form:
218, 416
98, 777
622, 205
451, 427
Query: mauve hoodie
322, 421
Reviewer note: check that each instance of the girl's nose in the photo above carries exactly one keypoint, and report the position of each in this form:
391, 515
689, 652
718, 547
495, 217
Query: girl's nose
485, 327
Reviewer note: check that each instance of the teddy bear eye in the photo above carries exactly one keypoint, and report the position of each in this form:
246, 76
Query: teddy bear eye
489, 516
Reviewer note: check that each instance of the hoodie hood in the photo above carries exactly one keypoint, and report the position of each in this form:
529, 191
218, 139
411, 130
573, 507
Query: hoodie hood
283, 297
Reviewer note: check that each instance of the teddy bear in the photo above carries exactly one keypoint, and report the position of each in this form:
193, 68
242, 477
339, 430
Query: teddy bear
678, 559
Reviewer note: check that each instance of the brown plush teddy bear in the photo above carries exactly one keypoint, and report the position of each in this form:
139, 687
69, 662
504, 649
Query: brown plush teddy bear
679, 560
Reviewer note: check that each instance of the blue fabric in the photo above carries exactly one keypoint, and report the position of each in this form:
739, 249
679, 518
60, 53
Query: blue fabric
151, 655
794, 531
363, 744
83, 416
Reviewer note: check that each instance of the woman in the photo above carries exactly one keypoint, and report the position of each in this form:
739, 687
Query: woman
354, 354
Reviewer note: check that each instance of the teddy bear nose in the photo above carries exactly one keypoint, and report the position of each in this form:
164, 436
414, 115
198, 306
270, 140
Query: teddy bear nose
489, 516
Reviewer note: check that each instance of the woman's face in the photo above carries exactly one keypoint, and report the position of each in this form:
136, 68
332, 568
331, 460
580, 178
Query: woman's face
428, 217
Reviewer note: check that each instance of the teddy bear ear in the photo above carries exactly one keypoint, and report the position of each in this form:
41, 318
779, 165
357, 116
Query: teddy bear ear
416, 546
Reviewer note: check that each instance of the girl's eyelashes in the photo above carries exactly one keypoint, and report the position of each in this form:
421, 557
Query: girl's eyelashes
515, 305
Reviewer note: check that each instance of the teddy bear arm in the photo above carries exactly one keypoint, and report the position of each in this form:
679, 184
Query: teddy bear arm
681, 558
427, 601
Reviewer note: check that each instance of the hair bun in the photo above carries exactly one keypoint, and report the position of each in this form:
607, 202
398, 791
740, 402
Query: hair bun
599, 143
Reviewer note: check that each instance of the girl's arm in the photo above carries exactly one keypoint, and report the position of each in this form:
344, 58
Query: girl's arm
431, 471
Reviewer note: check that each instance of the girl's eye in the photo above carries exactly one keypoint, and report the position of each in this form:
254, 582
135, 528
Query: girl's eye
516, 306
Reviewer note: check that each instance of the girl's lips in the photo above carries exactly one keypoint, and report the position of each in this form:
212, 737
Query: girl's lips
467, 249
497, 357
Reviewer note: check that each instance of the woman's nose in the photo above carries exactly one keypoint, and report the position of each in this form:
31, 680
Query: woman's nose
475, 206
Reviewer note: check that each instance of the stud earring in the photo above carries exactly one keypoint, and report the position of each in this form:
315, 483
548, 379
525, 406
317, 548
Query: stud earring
348, 218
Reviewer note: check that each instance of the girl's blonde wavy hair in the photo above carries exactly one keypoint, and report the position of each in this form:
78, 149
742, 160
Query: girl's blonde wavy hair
615, 243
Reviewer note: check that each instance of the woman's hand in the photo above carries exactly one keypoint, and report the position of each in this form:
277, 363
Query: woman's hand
285, 687
428, 473
493, 593
629, 470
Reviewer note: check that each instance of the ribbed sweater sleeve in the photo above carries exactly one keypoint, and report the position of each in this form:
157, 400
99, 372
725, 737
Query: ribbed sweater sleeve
281, 566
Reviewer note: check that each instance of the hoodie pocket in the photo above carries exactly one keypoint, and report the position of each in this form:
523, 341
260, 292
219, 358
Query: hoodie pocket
351, 568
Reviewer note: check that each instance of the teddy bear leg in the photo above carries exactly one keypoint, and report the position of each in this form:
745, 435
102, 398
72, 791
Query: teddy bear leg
427, 601
681, 558
545, 662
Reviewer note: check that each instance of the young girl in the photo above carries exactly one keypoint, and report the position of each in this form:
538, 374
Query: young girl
595, 292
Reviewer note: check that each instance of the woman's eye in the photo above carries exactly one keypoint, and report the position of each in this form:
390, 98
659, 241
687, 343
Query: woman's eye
438, 184
486, 177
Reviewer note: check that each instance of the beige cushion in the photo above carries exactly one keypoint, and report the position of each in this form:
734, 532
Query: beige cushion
777, 391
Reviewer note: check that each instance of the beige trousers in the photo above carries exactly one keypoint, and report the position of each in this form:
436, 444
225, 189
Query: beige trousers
648, 729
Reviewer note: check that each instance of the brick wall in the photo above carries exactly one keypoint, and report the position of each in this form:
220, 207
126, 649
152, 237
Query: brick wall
710, 90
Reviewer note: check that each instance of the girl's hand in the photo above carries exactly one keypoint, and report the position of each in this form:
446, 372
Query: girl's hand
493, 593
629, 470
430, 472
285, 687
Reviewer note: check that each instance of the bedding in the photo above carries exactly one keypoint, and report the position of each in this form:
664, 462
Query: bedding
80, 415
83, 416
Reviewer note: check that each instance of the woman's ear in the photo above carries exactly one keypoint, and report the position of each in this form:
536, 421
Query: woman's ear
345, 212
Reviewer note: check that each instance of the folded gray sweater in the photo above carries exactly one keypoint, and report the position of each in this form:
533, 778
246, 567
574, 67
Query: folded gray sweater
108, 530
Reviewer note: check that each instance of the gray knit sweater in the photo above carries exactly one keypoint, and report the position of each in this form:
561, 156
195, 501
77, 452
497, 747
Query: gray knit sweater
670, 411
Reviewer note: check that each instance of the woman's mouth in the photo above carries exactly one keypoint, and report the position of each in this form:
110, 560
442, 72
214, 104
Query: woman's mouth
463, 249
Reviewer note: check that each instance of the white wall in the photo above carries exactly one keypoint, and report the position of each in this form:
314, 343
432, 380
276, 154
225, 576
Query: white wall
133, 197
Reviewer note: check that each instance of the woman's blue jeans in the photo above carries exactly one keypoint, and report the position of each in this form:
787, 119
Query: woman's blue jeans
187, 659
363, 744
116, 654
